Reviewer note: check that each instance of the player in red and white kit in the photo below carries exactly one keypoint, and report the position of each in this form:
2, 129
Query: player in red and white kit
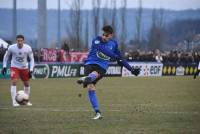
20, 53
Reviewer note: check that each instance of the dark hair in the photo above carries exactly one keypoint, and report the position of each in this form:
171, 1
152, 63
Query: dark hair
20, 36
107, 29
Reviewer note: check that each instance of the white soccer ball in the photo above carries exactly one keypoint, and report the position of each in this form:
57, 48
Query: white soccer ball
22, 98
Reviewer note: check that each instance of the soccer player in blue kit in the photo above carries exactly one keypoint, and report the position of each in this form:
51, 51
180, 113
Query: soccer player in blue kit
103, 50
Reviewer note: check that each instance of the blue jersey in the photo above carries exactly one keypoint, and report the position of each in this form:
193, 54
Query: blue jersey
97, 52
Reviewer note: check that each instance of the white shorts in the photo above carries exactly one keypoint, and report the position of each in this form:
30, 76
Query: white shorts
199, 66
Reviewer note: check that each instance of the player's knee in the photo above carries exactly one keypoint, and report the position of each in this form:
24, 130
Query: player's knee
26, 83
97, 74
91, 87
14, 82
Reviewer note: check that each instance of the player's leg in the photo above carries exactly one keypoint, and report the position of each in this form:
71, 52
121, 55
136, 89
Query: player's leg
91, 77
13, 88
92, 73
88, 79
25, 78
93, 100
27, 91
95, 73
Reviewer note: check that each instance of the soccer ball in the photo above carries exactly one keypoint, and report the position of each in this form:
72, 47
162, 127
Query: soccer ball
22, 98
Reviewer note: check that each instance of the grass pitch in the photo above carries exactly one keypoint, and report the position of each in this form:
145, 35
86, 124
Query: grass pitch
143, 105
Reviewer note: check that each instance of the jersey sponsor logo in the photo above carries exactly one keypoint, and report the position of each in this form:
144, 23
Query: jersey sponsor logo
96, 42
110, 47
20, 59
102, 56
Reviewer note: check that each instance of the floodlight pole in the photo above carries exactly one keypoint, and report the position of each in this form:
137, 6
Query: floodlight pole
58, 33
42, 24
14, 20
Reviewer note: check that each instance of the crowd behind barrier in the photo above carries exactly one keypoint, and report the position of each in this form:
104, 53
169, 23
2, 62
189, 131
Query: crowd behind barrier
174, 56
60, 55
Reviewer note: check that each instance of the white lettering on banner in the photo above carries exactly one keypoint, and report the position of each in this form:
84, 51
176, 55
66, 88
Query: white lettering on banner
114, 70
52, 55
82, 70
45, 54
78, 56
73, 72
64, 56
49, 55
147, 69
54, 70
40, 70
154, 70
63, 71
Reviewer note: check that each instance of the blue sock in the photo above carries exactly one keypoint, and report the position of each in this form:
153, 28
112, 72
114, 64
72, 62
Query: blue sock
93, 76
93, 100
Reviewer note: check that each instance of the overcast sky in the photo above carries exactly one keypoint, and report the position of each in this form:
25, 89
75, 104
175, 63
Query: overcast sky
65, 4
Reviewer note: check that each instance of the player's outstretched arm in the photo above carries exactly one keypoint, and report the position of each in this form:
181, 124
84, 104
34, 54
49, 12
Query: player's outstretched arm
124, 63
119, 59
135, 71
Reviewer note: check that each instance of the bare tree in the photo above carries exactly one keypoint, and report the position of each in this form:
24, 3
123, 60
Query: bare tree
180, 30
113, 16
87, 33
110, 14
138, 21
157, 29
59, 30
123, 33
75, 26
14, 19
105, 14
96, 14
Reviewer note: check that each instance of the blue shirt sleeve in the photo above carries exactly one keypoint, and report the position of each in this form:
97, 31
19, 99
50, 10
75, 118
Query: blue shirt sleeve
122, 62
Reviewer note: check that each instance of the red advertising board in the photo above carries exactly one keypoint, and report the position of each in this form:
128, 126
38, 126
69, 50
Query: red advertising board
52, 55
49, 55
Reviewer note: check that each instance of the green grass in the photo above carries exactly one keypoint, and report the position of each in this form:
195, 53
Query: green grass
143, 105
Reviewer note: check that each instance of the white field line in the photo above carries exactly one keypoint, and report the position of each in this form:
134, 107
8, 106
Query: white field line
118, 105
125, 105
81, 109
26, 108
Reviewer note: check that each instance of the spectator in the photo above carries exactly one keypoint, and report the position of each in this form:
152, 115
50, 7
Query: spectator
158, 56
